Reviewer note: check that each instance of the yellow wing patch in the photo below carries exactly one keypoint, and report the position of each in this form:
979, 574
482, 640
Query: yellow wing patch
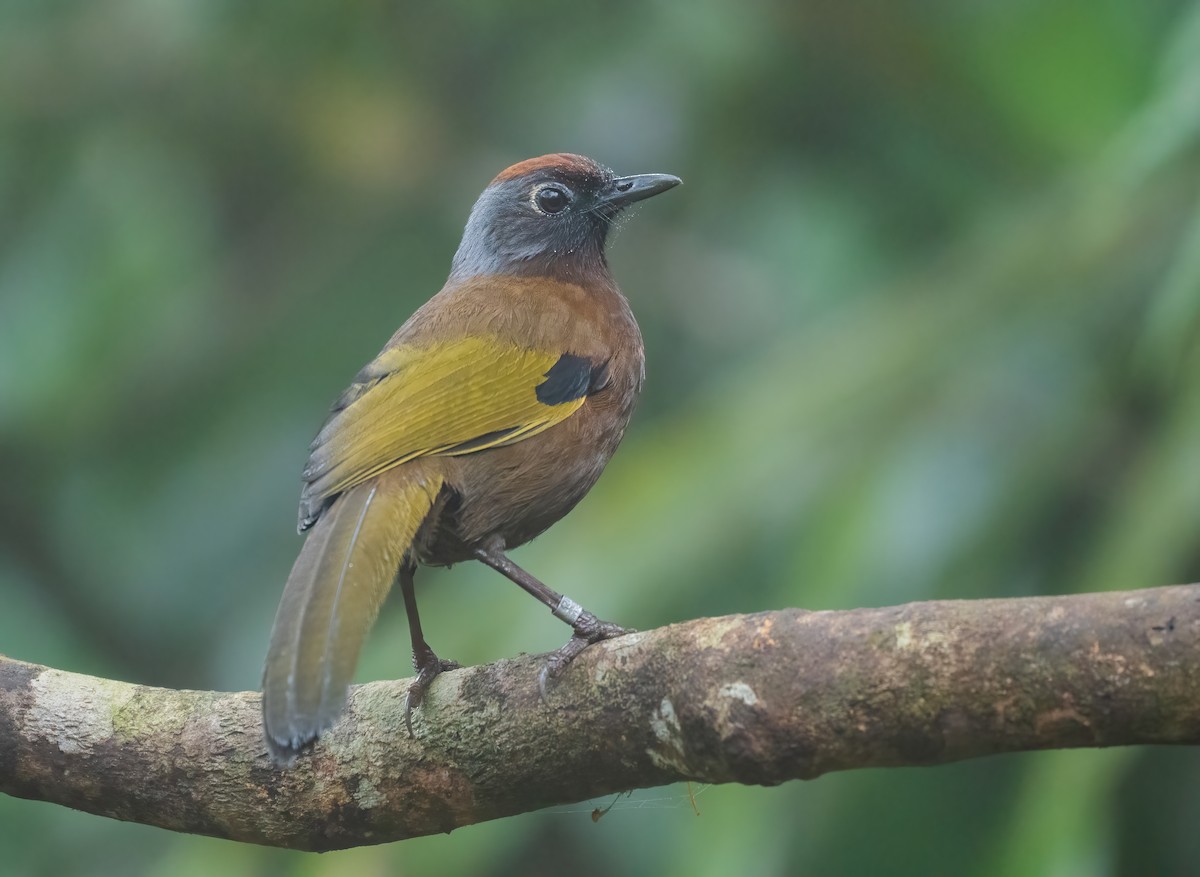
456, 398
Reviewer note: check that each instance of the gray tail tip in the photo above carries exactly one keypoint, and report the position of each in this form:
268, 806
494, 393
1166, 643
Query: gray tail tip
285, 750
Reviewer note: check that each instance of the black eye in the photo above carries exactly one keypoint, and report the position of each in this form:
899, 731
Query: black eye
552, 199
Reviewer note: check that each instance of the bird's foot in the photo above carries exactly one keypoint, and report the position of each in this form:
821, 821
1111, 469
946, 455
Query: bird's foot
588, 629
428, 667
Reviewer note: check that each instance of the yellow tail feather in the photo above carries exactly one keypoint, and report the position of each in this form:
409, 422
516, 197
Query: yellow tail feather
333, 594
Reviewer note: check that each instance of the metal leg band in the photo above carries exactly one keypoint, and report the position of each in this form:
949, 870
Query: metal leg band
568, 610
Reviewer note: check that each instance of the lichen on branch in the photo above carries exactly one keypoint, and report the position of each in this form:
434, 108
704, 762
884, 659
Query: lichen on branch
759, 699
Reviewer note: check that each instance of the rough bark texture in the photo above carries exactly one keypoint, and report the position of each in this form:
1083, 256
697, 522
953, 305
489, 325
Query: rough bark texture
751, 699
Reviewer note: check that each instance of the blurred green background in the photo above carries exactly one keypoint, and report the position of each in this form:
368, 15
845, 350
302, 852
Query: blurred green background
922, 323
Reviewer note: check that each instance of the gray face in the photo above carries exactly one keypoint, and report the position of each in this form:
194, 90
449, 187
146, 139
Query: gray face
552, 222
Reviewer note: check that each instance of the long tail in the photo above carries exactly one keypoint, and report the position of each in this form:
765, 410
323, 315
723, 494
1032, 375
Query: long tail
334, 592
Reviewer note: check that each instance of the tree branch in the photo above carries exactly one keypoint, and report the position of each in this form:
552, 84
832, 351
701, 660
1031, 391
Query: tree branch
752, 699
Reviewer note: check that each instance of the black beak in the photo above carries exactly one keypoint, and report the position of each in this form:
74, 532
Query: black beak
624, 191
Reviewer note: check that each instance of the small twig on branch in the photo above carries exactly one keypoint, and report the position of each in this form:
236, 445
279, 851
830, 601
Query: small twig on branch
752, 699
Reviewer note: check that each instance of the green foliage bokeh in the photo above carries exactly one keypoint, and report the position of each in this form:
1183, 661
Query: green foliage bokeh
922, 323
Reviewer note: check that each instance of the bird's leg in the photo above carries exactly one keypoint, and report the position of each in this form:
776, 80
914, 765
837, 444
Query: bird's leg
587, 627
427, 664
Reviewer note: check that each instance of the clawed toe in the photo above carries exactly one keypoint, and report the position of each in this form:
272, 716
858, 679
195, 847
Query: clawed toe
426, 673
588, 629
592, 630
557, 661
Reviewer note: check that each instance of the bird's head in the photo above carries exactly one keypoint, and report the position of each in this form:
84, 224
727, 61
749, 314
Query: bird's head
549, 216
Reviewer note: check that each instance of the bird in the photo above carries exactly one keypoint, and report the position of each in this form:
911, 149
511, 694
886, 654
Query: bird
484, 419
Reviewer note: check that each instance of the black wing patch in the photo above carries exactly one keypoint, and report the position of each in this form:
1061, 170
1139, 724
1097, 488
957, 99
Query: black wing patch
570, 378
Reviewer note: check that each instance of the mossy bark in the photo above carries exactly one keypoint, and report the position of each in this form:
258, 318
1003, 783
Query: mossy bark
758, 699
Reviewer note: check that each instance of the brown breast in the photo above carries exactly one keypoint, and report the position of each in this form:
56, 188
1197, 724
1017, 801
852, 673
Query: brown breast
519, 490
